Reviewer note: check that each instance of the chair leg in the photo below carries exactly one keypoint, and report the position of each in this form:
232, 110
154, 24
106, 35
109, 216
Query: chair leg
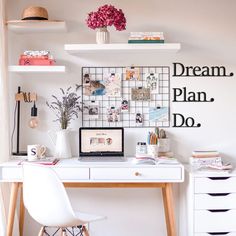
41, 231
85, 231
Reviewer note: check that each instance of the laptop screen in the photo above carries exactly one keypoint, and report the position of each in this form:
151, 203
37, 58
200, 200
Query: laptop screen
101, 141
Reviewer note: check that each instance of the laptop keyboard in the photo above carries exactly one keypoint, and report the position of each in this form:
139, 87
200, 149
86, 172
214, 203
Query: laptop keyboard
102, 159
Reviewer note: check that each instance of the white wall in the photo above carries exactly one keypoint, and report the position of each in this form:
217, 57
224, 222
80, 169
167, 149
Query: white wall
207, 32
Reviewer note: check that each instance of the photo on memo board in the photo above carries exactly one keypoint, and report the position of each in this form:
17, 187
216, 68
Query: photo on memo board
159, 114
152, 82
124, 105
93, 87
132, 73
113, 85
113, 114
91, 110
140, 94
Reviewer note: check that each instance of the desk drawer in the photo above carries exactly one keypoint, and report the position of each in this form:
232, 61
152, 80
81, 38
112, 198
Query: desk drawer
206, 221
216, 234
11, 174
72, 173
215, 185
215, 201
139, 174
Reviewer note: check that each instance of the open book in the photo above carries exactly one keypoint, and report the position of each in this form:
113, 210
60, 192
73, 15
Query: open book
149, 160
145, 160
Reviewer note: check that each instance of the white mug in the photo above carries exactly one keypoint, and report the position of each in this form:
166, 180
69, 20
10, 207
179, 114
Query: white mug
35, 152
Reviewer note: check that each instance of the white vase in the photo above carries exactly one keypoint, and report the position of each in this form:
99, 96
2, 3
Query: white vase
102, 36
62, 144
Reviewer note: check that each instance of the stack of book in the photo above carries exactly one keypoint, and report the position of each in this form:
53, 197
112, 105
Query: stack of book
208, 160
146, 37
36, 58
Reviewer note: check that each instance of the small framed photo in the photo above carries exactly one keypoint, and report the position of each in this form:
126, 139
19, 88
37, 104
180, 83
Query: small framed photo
124, 105
140, 94
113, 114
132, 73
152, 82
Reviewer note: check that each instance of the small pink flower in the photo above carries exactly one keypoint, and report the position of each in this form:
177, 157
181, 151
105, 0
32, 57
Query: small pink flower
106, 15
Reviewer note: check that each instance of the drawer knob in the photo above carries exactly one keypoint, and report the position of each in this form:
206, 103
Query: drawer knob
137, 174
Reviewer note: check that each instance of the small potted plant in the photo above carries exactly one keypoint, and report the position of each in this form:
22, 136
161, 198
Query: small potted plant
66, 109
105, 16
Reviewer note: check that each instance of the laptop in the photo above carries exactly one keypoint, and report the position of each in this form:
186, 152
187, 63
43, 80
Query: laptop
101, 144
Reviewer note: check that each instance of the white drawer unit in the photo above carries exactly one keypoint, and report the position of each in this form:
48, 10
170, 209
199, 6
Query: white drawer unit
208, 203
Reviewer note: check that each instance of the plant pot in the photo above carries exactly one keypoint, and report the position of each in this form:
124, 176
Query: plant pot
102, 36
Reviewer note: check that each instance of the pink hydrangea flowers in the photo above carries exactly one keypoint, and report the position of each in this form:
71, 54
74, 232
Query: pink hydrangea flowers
106, 15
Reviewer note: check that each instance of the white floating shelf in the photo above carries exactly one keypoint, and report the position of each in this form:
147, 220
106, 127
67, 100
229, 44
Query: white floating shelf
36, 26
122, 47
25, 69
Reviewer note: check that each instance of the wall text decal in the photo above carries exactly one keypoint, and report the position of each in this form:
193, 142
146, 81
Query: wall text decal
183, 95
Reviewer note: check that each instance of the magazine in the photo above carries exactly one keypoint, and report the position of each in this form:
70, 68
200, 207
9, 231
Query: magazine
43, 161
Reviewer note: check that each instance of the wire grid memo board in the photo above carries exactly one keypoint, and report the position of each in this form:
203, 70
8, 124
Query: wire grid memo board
127, 119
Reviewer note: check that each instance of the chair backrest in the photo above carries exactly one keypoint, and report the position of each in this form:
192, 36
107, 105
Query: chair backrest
45, 197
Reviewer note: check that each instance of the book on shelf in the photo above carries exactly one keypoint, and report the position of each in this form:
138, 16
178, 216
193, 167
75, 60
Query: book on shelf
146, 37
205, 154
145, 41
42, 161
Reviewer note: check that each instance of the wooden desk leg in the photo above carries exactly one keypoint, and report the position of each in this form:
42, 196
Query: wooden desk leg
12, 208
169, 209
22, 213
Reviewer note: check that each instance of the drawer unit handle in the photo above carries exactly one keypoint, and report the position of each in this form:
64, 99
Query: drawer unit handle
222, 210
218, 233
137, 174
218, 178
218, 194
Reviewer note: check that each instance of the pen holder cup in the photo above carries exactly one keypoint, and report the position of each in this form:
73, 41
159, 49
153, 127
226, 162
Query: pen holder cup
163, 145
152, 150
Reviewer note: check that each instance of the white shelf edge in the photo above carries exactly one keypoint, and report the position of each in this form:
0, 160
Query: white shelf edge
25, 69
83, 48
36, 26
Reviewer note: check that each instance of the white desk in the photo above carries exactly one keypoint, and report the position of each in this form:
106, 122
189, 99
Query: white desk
101, 175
